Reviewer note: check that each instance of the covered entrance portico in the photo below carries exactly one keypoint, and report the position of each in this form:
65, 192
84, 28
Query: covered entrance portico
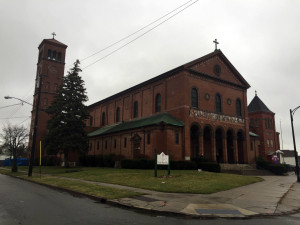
218, 144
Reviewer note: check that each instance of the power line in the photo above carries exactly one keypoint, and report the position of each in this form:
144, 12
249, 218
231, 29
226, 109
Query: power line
126, 37
10, 105
141, 34
20, 117
25, 120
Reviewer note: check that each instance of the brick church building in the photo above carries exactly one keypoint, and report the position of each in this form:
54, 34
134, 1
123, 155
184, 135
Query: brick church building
197, 109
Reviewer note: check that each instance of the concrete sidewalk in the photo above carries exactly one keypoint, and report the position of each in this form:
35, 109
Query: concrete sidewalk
276, 195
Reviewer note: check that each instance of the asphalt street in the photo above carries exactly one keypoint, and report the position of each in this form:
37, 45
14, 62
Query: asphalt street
25, 203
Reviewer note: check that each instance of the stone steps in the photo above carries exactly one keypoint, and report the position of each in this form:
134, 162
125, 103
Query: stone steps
244, 169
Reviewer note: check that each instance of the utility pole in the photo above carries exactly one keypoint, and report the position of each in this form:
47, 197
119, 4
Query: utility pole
39, 87
292, 112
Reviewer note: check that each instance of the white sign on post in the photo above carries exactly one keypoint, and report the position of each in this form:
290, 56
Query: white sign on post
162, 159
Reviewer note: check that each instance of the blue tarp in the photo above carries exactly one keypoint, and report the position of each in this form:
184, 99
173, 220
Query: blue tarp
20, 162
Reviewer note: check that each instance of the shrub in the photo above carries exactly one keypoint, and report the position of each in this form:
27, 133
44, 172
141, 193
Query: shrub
137, 164
175, 165
98, 160
289, 167
183, 165
51, 160
210, 166
277, 169
262, 163
199, 159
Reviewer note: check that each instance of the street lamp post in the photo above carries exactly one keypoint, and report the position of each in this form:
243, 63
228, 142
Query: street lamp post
33, 136
292, 112
9, 97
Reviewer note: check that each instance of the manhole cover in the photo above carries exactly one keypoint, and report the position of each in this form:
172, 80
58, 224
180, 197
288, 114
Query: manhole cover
218, 211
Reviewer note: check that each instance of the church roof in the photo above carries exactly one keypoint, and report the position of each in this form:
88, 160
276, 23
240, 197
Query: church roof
186, 67
53, 41
220, 54
157, 119
257, 105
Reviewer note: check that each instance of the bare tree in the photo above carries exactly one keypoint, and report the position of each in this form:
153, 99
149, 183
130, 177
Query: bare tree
14, 141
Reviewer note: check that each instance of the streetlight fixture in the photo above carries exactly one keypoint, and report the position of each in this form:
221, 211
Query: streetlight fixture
292, 112
34, 132
23, 101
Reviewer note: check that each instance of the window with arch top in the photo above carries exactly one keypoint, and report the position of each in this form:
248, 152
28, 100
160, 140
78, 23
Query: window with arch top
103, 119
194, 98
158, 103
54, 55
218, 103
59, 56
118, 115
135, 109
238, 106
49, 53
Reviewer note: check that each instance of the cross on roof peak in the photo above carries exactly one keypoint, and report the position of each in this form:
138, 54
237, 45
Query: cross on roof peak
216, 44
53, 34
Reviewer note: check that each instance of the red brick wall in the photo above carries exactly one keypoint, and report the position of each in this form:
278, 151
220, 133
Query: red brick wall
269, 141
52, 72
175, 93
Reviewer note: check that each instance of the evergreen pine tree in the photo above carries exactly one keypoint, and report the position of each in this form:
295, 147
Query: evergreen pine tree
68, 112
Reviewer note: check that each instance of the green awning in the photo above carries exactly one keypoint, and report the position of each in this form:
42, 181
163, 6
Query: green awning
162, 118
101, 130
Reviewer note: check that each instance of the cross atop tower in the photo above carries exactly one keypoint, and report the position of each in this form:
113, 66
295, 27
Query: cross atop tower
53, 34
216, 44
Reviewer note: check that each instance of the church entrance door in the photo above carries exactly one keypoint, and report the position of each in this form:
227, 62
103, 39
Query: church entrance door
240, 145
230, 148
207, 143
194, 134
219, 145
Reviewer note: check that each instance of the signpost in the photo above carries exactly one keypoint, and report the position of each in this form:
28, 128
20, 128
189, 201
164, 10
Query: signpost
162, 159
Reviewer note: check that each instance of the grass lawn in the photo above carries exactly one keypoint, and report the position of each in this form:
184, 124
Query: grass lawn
181, 181
79, 186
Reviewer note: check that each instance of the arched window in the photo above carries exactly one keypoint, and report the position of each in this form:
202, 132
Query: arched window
118, 115
49, 53
194, 98
59, 56
91, 121
54, 55
238, 106
45, 101
218, 102
135, 109
55, 87
125, 142
103, 119
158, 103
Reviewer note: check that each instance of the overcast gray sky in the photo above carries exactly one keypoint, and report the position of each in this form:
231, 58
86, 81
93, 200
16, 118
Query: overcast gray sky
259, 37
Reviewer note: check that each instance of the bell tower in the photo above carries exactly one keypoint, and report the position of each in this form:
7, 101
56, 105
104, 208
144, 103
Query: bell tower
49, 75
